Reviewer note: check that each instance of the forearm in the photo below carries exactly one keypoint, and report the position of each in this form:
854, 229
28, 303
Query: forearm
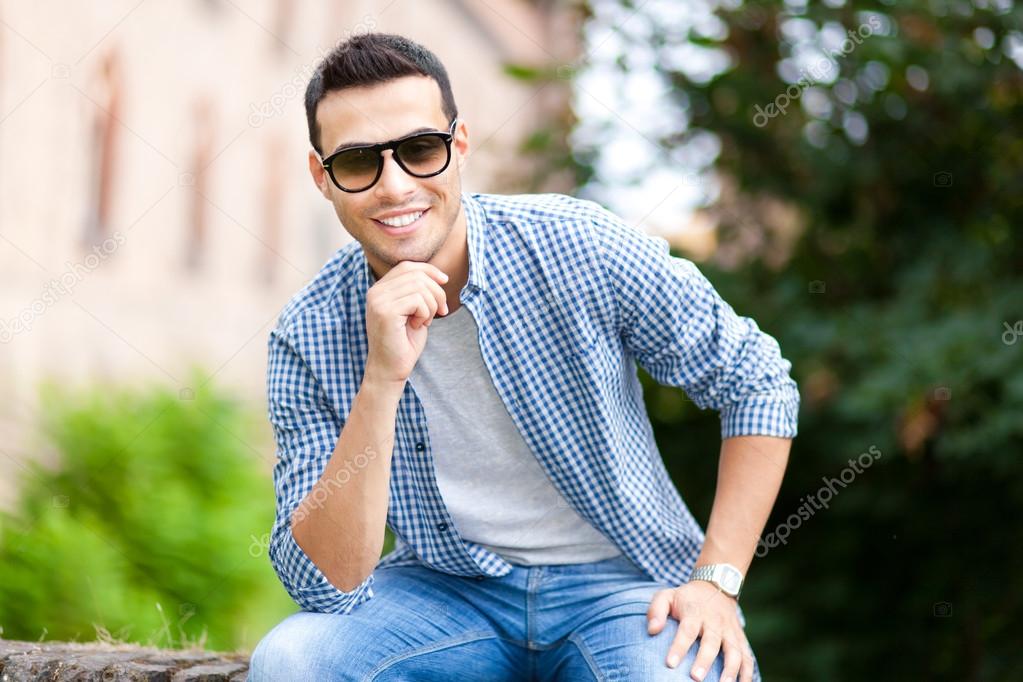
340, 523
750, 472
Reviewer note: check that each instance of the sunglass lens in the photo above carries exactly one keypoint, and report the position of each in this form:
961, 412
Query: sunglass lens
423, 155
356, 168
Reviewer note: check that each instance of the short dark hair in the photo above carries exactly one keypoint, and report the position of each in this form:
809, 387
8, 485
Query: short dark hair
371, 58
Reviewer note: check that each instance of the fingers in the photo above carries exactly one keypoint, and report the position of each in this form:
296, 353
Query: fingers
657, 613
746, 653
414, 266
738, 657
418, 279
706, 620
710, 645
733, 660
439, 294
419, 283
746, 673
689, 626
418, 308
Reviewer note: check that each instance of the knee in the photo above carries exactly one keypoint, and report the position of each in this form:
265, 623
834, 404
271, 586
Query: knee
715, 670
650, 663
290, 651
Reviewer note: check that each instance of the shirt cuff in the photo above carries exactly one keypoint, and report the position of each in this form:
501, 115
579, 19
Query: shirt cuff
762, 415
307, 584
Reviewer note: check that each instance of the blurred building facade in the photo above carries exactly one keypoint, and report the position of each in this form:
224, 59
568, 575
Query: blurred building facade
156, 210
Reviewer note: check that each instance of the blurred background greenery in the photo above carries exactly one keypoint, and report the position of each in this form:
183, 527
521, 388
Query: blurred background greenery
151, 527
873, 228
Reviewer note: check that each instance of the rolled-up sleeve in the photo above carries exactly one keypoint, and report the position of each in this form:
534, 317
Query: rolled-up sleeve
305, 430
684, 334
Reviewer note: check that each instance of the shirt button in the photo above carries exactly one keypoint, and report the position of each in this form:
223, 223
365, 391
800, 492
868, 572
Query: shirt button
480, 577
442, 526
420, 446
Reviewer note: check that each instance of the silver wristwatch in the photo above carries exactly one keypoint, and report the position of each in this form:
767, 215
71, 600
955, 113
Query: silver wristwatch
726, 576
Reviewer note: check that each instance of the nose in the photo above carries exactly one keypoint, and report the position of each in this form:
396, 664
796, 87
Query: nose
394, 183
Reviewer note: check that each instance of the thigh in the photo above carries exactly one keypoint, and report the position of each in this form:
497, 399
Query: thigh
413, 628
613, 644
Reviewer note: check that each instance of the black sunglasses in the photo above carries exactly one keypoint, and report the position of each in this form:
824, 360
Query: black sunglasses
422, 155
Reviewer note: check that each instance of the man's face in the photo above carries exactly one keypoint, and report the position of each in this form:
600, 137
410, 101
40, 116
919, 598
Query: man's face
379, 113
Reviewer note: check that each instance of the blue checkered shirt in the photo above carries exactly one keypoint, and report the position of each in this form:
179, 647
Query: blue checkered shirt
568, 300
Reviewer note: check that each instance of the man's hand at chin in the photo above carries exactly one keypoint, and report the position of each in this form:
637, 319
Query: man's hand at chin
703, 612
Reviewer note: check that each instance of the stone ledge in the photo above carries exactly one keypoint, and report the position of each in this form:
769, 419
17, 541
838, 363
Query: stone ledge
85, 662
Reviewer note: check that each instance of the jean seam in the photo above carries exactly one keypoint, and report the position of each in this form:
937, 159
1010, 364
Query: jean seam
587, 656
473, 636
534, 577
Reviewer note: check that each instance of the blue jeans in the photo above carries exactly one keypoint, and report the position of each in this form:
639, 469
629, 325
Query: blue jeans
556, 622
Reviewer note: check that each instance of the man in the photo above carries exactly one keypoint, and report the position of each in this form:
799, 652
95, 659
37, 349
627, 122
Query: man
464, 372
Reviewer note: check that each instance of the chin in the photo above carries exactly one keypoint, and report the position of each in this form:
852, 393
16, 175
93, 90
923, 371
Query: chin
393, 256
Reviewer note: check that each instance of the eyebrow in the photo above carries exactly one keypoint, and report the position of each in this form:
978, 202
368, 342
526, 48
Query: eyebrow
423, 129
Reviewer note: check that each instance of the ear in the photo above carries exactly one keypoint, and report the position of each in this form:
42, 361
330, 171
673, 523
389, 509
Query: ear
460, 143
319, 174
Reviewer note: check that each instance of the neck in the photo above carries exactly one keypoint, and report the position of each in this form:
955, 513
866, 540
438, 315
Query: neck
453, 259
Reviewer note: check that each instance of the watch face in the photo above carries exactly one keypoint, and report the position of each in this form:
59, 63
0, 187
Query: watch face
730, 580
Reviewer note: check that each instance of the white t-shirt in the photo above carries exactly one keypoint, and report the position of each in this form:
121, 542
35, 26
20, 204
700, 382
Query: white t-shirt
495, 489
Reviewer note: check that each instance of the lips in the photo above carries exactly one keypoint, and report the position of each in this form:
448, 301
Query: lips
404, 228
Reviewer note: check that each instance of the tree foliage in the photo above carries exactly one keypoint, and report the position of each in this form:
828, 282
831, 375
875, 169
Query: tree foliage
898, 303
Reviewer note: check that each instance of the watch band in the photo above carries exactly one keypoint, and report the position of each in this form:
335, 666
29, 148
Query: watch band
726, 577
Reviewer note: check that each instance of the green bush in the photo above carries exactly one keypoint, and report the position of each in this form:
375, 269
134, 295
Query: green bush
152, 526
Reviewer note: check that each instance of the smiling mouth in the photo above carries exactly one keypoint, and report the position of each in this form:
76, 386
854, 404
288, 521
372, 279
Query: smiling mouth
403, 223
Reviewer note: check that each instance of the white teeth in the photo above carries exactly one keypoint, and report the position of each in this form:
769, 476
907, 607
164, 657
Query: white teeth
402, 220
